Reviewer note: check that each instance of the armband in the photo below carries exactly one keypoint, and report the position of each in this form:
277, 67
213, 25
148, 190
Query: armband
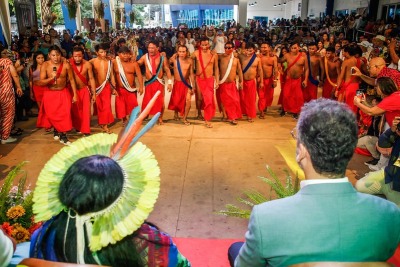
169, 82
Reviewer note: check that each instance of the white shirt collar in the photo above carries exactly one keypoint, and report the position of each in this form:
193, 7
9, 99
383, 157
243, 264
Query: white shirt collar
323, 181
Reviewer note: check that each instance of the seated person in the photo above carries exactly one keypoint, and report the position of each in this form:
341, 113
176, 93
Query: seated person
386, 181
95, 196
7, 248
327, 220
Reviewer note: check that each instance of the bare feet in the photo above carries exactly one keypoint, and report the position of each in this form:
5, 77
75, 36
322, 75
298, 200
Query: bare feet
200, 117
208, 124
186, 122
233, 122
160, 121
250, 120
105, 129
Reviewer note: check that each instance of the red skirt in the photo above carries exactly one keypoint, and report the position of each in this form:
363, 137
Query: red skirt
248, 98
125, 102
292, 95
266, 94
55, 110
328, 89
178, 97
206, 87
310, 92
103, 106
231, 100
349, 94
38, 92
149, 92
80, 112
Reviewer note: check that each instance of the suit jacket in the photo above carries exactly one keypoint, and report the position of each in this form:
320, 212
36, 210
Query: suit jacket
322, 222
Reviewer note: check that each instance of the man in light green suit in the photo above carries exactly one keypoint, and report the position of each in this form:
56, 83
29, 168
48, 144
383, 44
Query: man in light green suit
327, 220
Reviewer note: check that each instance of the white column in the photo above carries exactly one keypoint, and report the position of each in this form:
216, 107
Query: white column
304, 9
78, 18
242, 19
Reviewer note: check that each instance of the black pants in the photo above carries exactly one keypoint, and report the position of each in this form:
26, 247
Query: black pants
23, 102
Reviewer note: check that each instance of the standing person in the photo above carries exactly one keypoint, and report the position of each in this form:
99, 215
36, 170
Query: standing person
331, 72
8, 74
207, 75
104, 79
85, 90
56, 103
252, 70
269, 64
190, 43
37, 91
316, 69
347, 83
125, 71
292, 99
184, 84
156, 65
219, 42
230, 68
325, 196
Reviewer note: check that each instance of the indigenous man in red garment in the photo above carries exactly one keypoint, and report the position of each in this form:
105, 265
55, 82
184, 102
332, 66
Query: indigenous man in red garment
331, 72
292, 91
183, 84
56, 104
315, 72
207, 75
125, 71
347, 83
251, 67
83, 74
229, 68
104, 78
269, 64
156, 65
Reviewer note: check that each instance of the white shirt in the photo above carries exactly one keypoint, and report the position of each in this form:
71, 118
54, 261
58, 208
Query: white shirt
6, 249
324, 181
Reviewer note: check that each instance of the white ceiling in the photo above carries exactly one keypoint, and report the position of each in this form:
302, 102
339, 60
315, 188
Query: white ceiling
172, 2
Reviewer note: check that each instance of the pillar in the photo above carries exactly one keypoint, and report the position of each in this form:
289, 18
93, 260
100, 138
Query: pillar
242, 14
329, 7
304, 9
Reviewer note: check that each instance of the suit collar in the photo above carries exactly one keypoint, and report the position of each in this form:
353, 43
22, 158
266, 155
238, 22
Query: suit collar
324, 189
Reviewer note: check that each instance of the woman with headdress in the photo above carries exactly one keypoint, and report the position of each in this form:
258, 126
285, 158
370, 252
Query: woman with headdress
95, 196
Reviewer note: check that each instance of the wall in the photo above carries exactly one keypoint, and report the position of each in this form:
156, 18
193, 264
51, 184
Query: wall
316, 8
265, 9
349, 4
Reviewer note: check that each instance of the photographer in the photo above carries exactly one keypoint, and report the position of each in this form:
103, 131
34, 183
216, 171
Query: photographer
386, 181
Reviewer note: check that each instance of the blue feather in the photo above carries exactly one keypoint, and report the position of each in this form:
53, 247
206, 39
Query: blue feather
134, 114
147, 127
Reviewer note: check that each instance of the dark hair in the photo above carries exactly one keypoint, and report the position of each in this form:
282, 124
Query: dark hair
124, 49
55, 48
312, 44
349, 49
154, 43
328, 130
35, 55
250, 45
386, 85
330, 49
121, 40
90, 184
204, 39
103, 46
181, 46
78, 48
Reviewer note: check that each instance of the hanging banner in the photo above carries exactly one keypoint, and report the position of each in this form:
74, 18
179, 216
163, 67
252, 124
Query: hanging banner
26, 15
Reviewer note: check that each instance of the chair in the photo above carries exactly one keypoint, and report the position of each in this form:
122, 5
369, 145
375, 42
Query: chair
343, 264
32, 262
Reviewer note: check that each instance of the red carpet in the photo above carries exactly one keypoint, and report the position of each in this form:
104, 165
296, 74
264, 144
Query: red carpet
214, 252
205, 252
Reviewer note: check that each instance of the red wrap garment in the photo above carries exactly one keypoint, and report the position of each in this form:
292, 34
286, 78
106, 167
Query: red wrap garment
206, 87
266, 94
125, 102
178, 97
103, 106
230, 99
149, 92
292, 95
80, 112
310, 92
328, 89
55, 110
248, 98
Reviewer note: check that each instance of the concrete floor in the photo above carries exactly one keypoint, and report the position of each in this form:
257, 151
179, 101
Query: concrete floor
201, 169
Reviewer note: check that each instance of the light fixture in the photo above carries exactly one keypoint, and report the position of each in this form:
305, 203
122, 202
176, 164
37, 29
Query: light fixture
253, 4
275, 5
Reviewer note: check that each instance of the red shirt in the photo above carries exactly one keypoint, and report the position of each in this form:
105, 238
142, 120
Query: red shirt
391, 106
391, 73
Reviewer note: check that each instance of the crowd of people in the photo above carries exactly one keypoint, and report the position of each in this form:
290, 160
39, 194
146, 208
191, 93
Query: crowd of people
233, 69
